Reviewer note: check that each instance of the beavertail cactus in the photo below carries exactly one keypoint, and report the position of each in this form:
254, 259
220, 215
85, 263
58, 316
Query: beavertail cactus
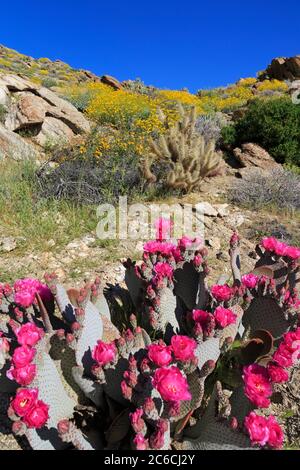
72, 377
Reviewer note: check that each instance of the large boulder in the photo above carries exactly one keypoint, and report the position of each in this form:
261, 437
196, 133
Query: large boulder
111, 81
254, 156
14, 147
4, 97
58, 130
294, 91
283, 68
26, 111
38, 112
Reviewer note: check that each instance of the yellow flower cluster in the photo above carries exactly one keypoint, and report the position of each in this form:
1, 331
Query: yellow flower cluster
130, 118
114, 142
250, 81
128, 110
225, 99
272, 85
183, 97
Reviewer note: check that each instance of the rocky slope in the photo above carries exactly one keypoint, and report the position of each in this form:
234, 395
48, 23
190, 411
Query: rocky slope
34, 116
43, 70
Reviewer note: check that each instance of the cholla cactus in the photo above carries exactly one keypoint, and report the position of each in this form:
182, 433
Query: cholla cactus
70, 378
187, 153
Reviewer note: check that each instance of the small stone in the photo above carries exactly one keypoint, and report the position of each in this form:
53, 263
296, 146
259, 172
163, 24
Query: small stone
7, 244
206, 208
223, 210
236, 220
51, 243
88, 240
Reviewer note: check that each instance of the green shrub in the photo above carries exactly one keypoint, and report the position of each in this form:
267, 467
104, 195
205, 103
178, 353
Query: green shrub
274, 124
49, 82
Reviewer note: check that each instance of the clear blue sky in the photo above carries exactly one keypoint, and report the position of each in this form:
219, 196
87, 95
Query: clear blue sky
170, 44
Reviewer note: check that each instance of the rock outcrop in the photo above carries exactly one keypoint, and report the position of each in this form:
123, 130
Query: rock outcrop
283, 68
254, 156
14, 147
38, 113
111, 81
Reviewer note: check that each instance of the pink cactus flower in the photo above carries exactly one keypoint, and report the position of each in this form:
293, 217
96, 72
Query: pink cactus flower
163, 269
24, 298
104, 353
37, 416
269, 244
22, 375
159, 354
22, 356
288, 351
293, 252
183, 347
222, 293
224, 317
186, 242
24, 400
29, 334
257, 385
257, 428
250, 280
202, 317
281, 249
26, 289
276, 436
171, 384
277, 373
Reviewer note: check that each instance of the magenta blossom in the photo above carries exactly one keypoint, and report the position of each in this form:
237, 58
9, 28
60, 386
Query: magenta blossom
29, 334
163, 269
24, 400
269, 244
185, 243
183, 347
22, 375
159, 354
24, 298
37, 416
277, 373
104, 353
222, 293
250, 280
258, 387
257, 428
171, 384
22, 356
276, 436
26, 290
224, 317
